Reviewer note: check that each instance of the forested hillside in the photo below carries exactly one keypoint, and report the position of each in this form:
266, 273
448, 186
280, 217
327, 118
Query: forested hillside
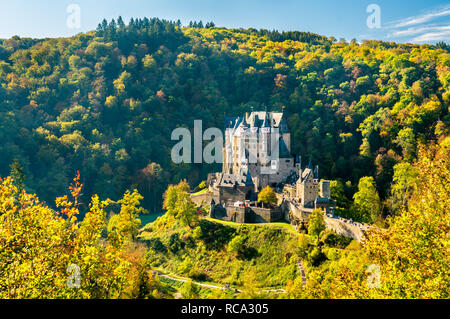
105, 103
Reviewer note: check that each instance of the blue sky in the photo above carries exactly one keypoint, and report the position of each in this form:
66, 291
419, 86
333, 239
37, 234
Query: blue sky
416, 21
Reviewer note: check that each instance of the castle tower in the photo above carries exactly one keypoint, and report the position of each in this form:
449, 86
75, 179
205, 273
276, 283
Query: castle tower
265, 141
308, 186
325, 189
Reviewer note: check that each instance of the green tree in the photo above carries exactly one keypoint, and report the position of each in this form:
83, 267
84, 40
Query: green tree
367, 203
316, 223
403, 184
17, 174
406, 140
337, 192
186, 210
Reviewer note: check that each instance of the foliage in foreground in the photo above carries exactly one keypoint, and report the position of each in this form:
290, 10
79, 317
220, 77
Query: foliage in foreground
42, 250
412, 252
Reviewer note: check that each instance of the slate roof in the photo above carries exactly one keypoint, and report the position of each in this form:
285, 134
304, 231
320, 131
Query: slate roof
284, 152
322, 200
231, 180
259, 119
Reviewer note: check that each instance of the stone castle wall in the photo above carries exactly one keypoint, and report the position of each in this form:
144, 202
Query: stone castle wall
335, 224
345, 229
247, 214
204, 198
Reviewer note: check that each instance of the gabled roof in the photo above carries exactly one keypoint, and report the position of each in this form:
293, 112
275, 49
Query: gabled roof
259, 119
244, 178
305, 175
283, 127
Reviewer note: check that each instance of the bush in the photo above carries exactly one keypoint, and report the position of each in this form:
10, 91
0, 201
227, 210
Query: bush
354, 245
332, 253
304, 244
316, 257
186, 266
175, 244
158, 246
236, 245
198, 275
334, 240
190, 290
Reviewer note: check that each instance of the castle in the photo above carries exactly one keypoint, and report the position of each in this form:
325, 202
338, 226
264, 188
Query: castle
256, 154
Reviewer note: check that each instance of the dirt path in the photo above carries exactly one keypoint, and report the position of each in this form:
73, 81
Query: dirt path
160, 274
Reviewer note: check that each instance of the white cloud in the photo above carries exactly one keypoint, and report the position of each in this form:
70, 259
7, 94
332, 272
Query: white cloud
423, 18
433, 36
415, 31
420, 28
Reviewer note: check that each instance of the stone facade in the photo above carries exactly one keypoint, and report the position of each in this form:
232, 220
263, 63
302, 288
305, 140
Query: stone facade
260, 143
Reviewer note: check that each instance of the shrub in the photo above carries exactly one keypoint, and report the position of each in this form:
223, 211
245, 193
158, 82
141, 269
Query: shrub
236, 245
316, 257
334, 240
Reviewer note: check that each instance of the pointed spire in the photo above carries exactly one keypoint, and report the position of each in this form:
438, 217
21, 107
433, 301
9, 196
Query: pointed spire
248, 179
310, 166
284, 152
244, 122
266, 119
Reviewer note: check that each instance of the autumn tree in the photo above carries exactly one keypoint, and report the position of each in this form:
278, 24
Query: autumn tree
178, 203
124, 226
52, 254
411, 252
403, 184
267, 196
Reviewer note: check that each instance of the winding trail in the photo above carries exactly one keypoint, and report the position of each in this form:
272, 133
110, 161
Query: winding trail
160, 274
